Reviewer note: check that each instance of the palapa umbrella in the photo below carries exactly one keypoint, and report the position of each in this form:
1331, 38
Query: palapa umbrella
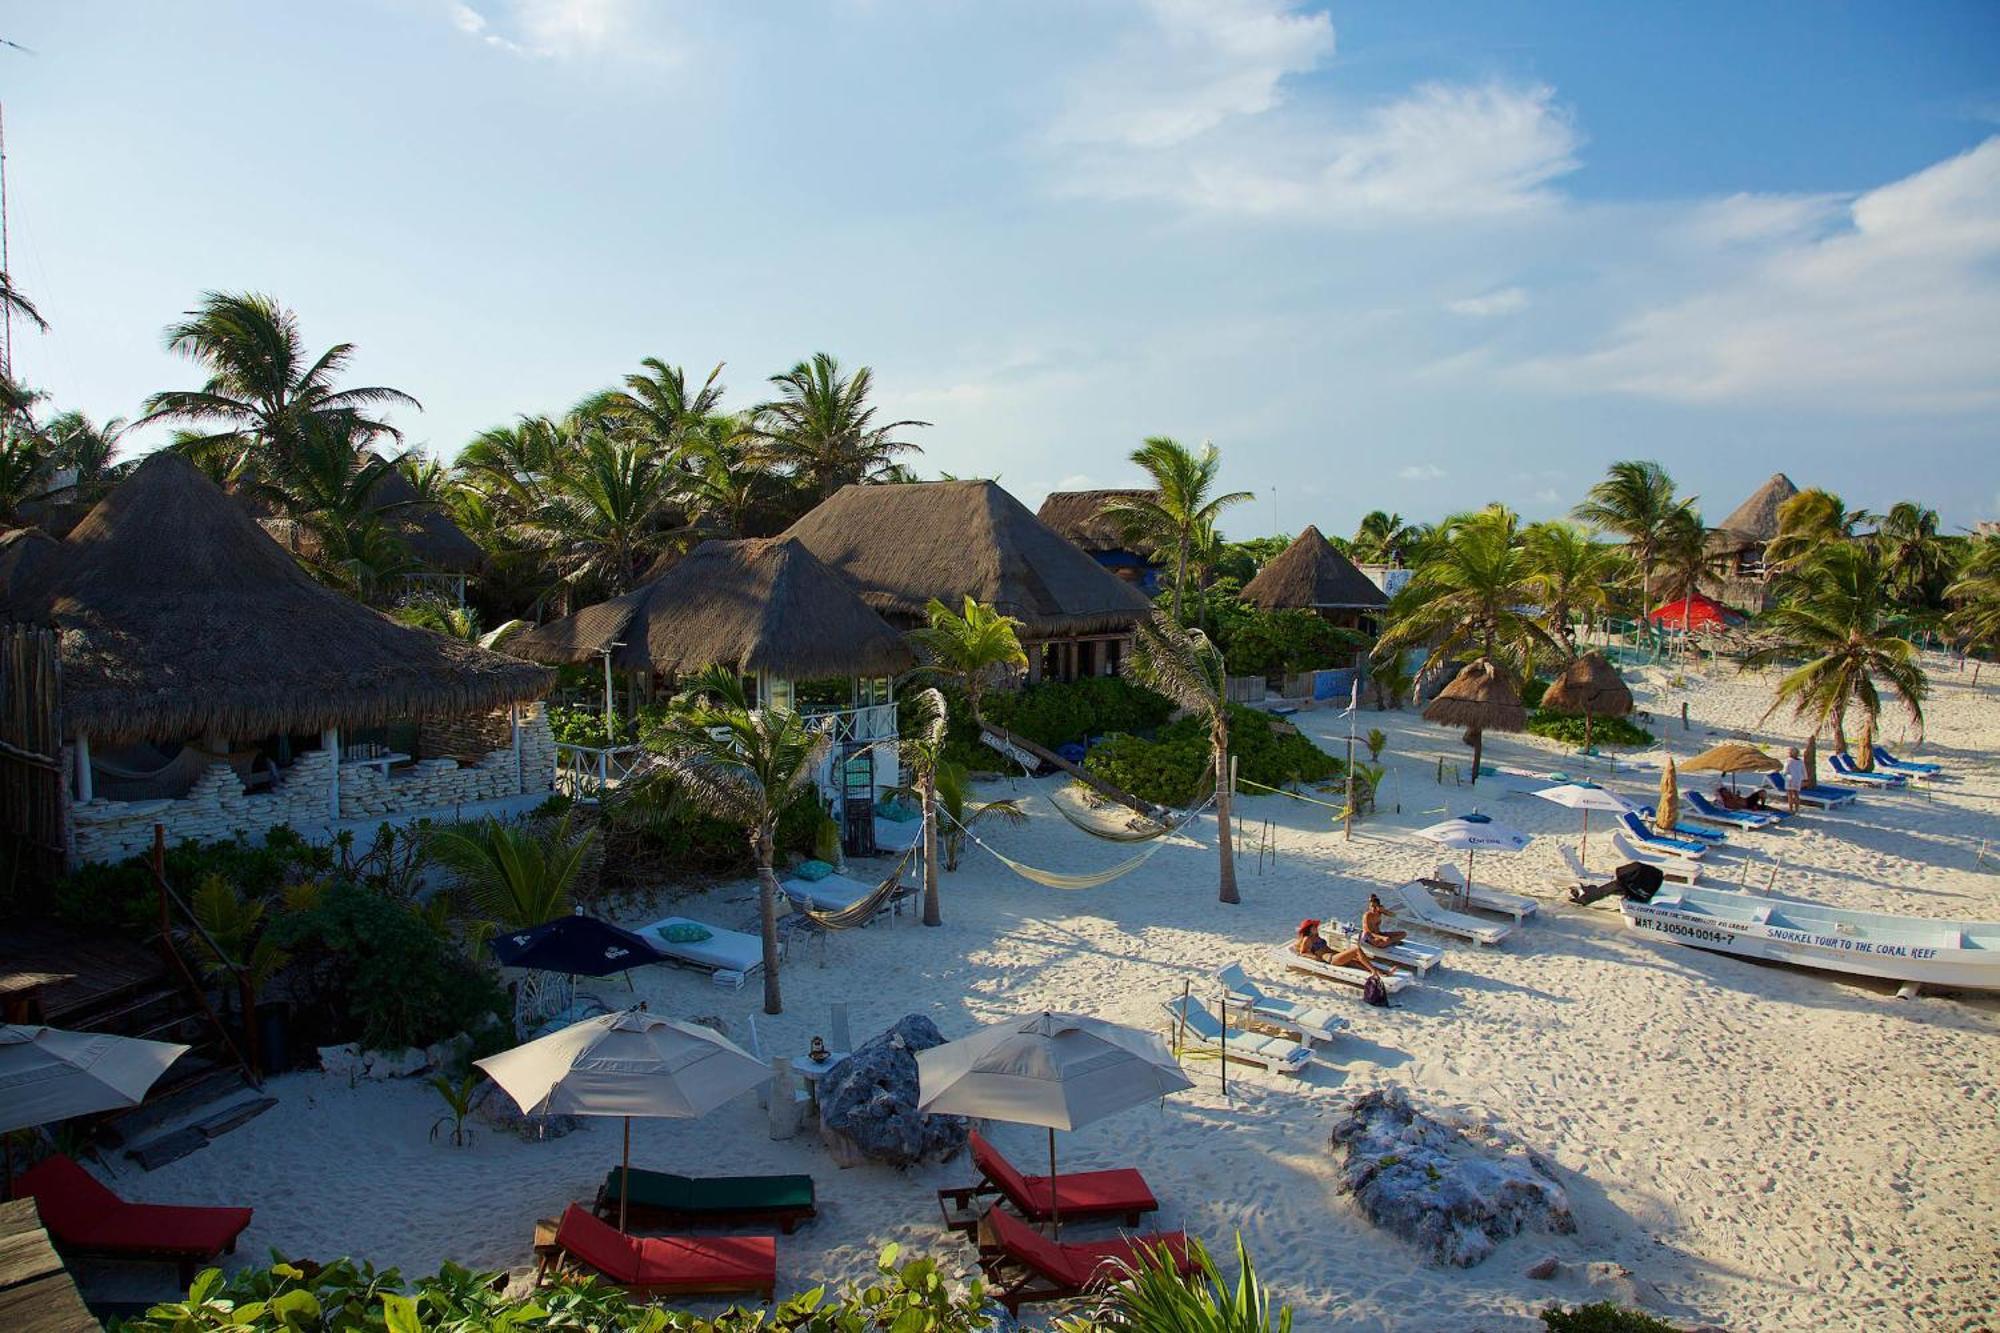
1061, 1071
1481, 699
48, 1074
1732, 757
1471, 834
1669, 813
1585, 796
1589, 687
626, 1064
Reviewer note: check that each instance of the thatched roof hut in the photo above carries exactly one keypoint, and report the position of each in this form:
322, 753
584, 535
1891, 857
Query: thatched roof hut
1754, 522
1589, 687
435, 541
1481, 698
903, 545
26, 556
1310, 575
761, 604
1080, 516
180, 617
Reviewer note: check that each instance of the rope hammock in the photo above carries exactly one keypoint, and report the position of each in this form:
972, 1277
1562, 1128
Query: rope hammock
1159, 829
862, 910
1056, 879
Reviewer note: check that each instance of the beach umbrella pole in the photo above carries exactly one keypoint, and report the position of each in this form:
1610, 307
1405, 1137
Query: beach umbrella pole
1055, 1199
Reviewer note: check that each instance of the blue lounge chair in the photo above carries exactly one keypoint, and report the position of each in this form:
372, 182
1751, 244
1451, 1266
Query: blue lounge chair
1848, 770
1910, 766
1693, 831
1750, 819
1690, 848
1820, 795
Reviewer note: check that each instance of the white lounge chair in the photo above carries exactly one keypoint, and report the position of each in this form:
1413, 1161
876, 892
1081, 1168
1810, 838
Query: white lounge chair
1416, 956
1484, 897
730, 952
1419, 908
1673, 868
835, 893
1196, 1026
1848, 771
1660, 843
1356, 977
1303, 1021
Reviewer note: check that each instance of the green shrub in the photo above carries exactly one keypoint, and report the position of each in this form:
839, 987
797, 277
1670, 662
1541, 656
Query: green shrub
1057, 713
1269, 643
1602, 1317
1568, 728
120, 896
581, 724
1171, 768
1532, 692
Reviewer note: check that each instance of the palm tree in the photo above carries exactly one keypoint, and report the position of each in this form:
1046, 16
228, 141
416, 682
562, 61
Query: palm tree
1810, 523
969, 648
328, 486
1383, 539
1635, 500
728, 480
1187, 667
608, 516
923, 750
517, 877
15, 302
745, 766
1914, 556
1571, 576
1181, 504
822, 427
1467, 595
24, 472
1683, 563
75, 441
1838, 614
1975, 597
657, 404
961, 812
264, 390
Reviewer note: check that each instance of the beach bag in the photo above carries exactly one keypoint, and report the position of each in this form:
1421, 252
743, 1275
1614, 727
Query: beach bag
1375, 993
1638, 881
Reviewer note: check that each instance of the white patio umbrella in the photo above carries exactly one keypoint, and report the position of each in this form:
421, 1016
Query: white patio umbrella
48, 1074
1062, 1071
1585, 796
626, 1064
1474, 833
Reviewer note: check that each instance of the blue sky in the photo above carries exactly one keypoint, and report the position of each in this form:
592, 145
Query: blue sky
1416, 257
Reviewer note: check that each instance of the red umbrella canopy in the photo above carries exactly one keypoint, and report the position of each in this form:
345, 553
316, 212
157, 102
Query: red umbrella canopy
1696, 612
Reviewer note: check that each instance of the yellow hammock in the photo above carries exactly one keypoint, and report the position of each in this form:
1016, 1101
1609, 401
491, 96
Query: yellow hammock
1056, 879
1159, 830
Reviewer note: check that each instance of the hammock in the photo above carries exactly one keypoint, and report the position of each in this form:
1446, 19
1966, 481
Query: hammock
1160, 828
862, 910
1056, 879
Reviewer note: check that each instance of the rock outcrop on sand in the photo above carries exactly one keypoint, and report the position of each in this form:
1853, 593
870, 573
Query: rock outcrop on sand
1452, 1186
868, 1102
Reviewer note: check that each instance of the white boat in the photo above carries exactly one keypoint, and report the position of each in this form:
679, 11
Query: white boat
1919, 949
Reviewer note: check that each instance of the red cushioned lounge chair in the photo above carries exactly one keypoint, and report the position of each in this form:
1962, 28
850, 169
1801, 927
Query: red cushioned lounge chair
1026, 1266
665, 1265
83, 1217
1077, 1196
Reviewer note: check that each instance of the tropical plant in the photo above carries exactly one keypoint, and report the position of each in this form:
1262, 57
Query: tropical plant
1636, 500
969, 647
1601, 1317
1809, 523
1571, 576
1187, 667
1975, 599
24, 472
821, 426
1155, 1298
233, 940
447, 618
728, 480
515, 876
961, 812
1180, 508
657, 404
1390, 679
1683, 564
76, 442
1468, 595
741, 765
1915, 559
609, 513
923, 749
456, 1094
1838, 614
1376, 742
16, 302
1384, 539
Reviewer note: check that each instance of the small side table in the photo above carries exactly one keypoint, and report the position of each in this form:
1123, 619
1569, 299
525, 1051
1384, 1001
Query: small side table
547, 1254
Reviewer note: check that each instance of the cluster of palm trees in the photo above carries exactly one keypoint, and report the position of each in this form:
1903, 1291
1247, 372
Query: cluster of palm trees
48, 456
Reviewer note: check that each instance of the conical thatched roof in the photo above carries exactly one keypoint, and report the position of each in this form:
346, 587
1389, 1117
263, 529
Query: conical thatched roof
1756, 519
1732, 757
763, 604
1482, 697
1589, 686
1080, 516
427, 530
1310, 574
27, 555
903, 545
179, 617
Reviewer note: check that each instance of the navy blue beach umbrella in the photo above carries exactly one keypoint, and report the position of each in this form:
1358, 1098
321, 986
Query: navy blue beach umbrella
581, 946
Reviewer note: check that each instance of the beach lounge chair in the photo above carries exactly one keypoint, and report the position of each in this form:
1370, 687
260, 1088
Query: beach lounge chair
84, 1217
1484, 897
1025, 1266
1644, 836
1305, 1022
1194, 1025
1676, 868
663, 1200
728, 953
1412, 902
1418, 957
1847, 769
1910, 766
1348, 976
1817, 794
1700, 807
1075, 1196
1686, 832
835, 893
661, 1265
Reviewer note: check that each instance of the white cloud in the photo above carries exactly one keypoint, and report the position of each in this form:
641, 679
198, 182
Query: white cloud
1894, 306
566, 29
1504, 301
1421, 472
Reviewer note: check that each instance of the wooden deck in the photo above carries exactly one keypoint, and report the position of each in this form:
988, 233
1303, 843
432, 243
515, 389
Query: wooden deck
36, 1294
47, 972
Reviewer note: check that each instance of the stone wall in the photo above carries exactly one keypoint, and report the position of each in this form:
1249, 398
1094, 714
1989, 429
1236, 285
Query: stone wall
217, 807
464, 735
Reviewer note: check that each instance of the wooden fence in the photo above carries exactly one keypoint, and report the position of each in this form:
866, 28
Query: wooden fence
33, 842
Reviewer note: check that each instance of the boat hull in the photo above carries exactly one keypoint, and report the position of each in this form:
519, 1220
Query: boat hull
1920, 951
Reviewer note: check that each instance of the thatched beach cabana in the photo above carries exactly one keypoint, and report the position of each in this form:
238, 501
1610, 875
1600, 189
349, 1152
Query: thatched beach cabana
1590, 688
1311, 575
1080, 516
903, 545
184, 627
1480, 699
1736, 545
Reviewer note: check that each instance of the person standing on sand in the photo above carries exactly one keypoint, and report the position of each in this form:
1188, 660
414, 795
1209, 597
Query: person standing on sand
1795, 778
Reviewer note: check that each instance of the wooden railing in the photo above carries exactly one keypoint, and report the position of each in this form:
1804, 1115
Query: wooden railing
590, 773
170, 903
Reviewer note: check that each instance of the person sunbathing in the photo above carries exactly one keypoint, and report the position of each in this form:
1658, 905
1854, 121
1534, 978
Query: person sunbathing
1311, 944
1372, 933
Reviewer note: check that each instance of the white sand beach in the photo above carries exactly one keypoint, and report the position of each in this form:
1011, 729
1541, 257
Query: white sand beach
1764, 1148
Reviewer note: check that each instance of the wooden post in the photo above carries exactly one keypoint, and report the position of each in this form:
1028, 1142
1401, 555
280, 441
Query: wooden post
84, 786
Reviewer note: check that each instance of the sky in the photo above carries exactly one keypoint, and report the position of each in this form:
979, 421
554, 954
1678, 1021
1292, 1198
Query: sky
1409, 257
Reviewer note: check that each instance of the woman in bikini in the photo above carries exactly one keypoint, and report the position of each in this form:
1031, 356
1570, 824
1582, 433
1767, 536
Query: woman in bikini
1310, 944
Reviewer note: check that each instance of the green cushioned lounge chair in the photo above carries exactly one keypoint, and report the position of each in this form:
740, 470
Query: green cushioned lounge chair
660, 1199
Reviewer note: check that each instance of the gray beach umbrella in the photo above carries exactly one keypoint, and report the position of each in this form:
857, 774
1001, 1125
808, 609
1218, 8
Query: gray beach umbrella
1060, 1071
48, 1074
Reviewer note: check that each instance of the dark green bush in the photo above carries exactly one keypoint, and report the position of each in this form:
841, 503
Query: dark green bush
1171, 768
1532, 692
1602, 1317
120, 896
1057, 713
581, 724
1268, 643
1568, 728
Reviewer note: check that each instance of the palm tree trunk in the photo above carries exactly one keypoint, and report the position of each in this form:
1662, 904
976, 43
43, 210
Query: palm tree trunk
932, 916
1180, 575
1477, 735
1225, 846
761, 840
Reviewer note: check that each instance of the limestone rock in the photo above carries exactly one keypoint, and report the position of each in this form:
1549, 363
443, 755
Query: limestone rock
1543, 1268
868, 1102
492, 1106
1454, 1187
